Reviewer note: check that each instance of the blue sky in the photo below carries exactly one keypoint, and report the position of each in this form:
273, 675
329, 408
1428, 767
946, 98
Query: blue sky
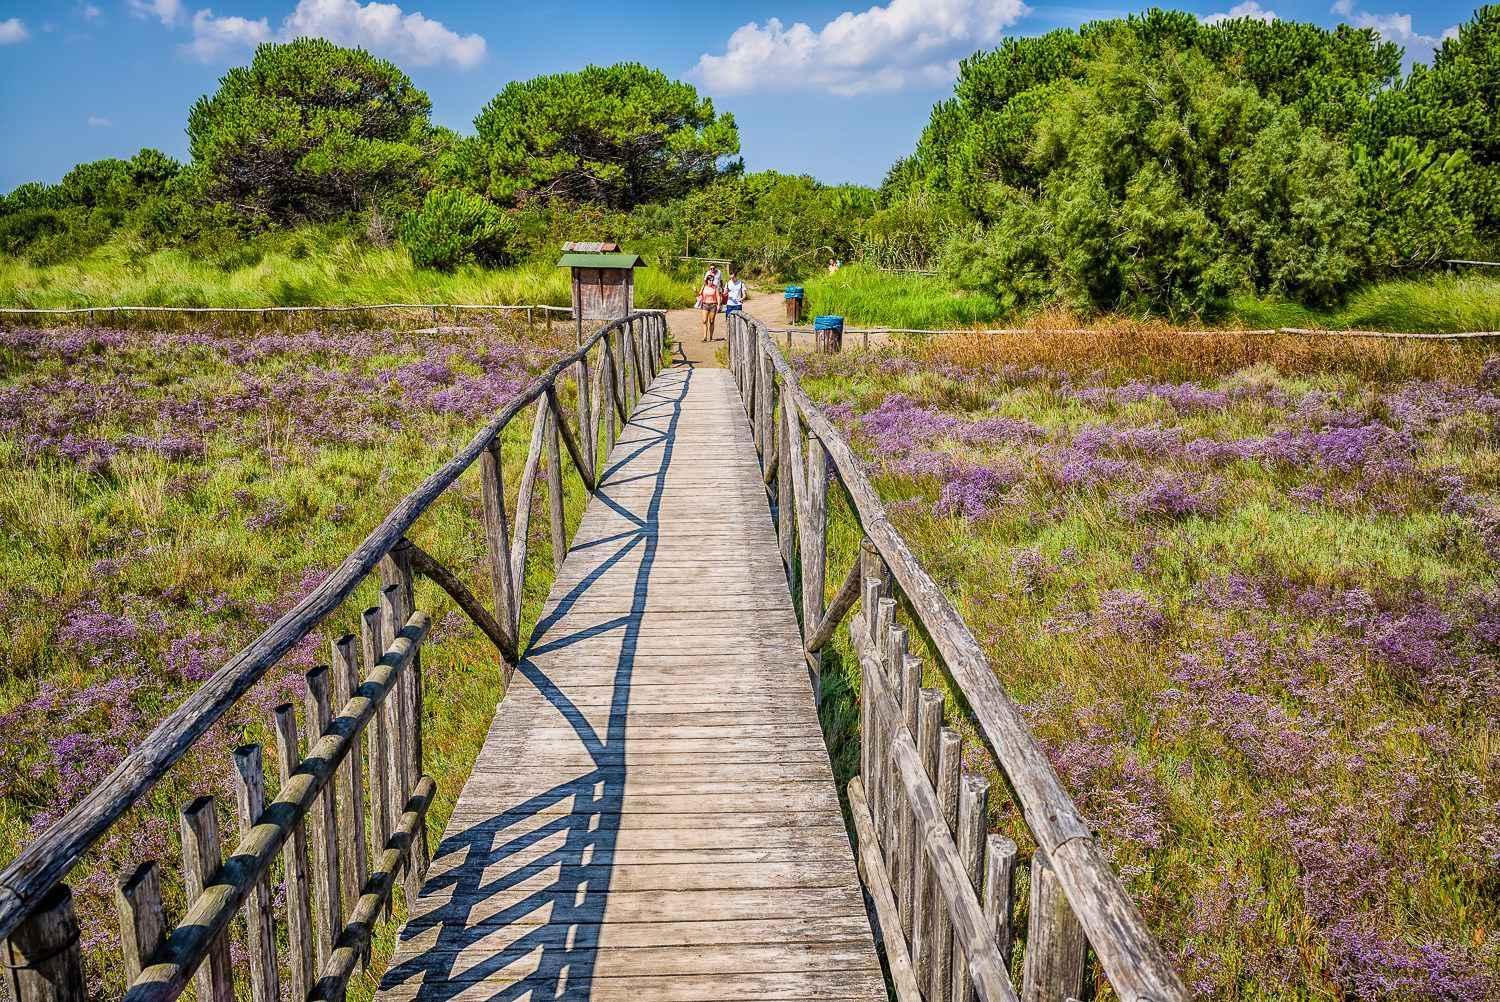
836, 90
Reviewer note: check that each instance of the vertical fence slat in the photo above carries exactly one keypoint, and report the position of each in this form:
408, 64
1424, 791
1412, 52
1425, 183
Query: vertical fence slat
351, 787
250, 801
892, 654
950, 760
395, 768
42, 956
999, 888
497, 539
911, 853
395, 570
325, 841
785, 502
201, 859
143, 922
298, 913
371, 630
585, 419
815, 537
973, 820
1056, 949
929, 726
764, 387
554, 498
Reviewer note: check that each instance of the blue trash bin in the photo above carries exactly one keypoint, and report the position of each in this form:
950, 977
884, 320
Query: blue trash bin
828, 333
794, 298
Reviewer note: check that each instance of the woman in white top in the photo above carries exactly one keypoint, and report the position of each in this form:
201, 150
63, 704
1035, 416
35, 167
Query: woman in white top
734, 294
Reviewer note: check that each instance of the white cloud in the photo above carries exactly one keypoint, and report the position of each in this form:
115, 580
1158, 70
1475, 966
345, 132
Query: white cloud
168, 12
13, 30
411, 39
99, 122
383, 28
213, 35
1249, 8
884, 48
1395, 28
89, 12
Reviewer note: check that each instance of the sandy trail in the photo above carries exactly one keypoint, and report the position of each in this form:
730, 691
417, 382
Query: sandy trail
686, 328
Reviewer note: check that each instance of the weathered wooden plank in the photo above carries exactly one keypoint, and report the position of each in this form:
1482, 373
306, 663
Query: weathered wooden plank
43, 962
299, 927
143, 923
250, 801
201, 859
328, 913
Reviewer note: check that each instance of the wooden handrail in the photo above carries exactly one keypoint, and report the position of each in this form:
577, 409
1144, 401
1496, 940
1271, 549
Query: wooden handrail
1129, 954
210, 912
44, 862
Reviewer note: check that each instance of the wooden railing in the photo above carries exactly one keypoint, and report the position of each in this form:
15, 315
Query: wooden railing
941, 885
348, 818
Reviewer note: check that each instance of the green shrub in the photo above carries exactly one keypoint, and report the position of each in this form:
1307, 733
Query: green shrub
455, 227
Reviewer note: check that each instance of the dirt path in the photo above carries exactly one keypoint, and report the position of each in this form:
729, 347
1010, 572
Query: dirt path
686, 328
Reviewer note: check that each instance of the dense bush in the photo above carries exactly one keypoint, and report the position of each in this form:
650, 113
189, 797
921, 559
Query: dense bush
619, 136
310, 130
455, 227
1159, 164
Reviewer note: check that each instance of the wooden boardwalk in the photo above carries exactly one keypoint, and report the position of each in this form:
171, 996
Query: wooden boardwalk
653, 815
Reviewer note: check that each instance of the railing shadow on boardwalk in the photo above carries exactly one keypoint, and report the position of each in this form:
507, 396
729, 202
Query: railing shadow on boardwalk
569, 910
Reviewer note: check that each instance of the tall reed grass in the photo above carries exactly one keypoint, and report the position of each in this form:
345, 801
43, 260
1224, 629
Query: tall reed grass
296, 272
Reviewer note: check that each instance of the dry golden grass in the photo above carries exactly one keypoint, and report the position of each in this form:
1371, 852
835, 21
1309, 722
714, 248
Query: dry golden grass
1153, 349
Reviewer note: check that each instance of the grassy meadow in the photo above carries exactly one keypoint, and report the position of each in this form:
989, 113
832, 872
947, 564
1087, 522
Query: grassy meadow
1439, 303
169, 495
1244, 589
300, 268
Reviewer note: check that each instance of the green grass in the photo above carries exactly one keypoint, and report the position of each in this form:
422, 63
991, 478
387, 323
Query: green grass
866, 297
1439, 303
306, 268
1435, 304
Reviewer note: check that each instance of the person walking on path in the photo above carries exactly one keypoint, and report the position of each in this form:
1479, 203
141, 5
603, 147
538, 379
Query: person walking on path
710, 298
734, 295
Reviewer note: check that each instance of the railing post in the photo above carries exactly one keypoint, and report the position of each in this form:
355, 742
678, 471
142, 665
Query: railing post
554, 497
585, 419
973, 820
766, 403
497, 537
298, 908
325, 839
143, 921
814, 537
201, 858
250, 801
395, 569
350, 778
371, 633
42, 960
1056, 949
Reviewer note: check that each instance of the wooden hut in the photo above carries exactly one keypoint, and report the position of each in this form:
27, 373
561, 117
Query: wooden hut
603, 279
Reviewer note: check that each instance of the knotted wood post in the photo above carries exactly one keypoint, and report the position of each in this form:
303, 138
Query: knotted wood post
973, 820
201, 859
42, 959
396, 570
1056, 949
325, 841
585, 418
353, 858
250, 802
814, 538
999, 888
559, 529
298, 908
143, 921
497, 539
929, 727
370, 635
950, 759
